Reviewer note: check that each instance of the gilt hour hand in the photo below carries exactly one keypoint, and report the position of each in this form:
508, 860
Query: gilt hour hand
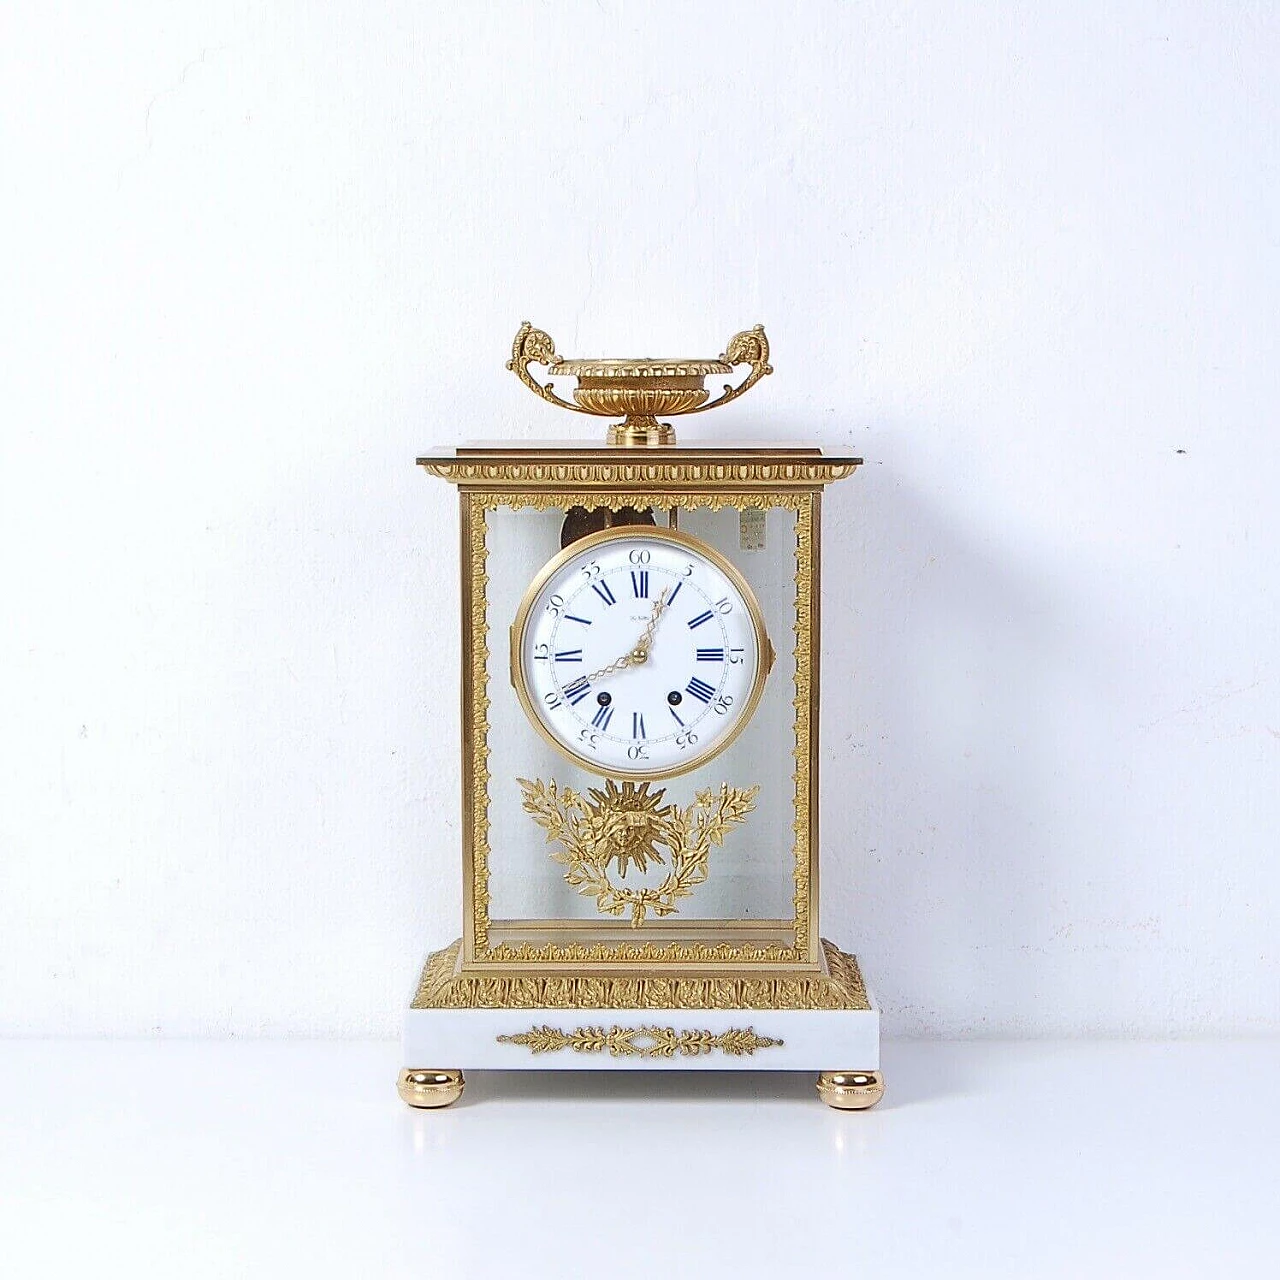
639, 652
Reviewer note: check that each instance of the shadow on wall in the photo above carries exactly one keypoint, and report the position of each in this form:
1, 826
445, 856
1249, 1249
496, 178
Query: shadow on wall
957, 771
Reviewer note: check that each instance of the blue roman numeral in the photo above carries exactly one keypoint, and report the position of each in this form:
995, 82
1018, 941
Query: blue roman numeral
569, 655
602, 717
675, 591
675, 717
705, 655
578, 690
699, 689
569, 617
637, 725
640, 583
700, 619
602, 590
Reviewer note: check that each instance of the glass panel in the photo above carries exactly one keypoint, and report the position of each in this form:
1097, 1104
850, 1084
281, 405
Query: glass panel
750, 872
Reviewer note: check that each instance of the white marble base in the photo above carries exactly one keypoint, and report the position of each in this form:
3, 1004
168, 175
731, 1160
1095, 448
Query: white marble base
812, 1040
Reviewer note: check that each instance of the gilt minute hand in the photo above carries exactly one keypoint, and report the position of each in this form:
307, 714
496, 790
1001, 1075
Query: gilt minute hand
639, 652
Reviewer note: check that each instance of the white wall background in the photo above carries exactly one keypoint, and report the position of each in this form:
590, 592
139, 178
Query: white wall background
256, 257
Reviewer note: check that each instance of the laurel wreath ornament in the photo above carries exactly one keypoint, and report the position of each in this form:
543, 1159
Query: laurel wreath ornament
642, 1042
629, 825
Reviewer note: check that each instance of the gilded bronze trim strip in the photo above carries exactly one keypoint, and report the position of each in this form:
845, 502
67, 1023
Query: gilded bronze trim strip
475, 713
443, 986
623, 471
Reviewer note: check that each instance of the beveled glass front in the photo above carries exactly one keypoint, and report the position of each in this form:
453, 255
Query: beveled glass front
746, 815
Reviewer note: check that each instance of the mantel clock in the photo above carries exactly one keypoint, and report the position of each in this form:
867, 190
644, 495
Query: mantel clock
640, 750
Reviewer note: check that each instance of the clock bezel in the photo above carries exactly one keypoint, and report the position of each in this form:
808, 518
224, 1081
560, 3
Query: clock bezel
638, 533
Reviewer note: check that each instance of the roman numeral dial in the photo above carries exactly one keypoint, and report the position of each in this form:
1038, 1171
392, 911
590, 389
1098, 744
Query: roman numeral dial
700, 689
639, 652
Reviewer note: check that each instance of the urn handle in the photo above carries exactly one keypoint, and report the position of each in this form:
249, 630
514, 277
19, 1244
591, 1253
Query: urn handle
750, 347
534, 346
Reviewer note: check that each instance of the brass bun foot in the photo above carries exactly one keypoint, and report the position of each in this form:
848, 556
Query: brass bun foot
430, 1088
850, 1090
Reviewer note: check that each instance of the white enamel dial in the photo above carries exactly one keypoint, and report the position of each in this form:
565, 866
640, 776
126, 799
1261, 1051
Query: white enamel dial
639, 652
